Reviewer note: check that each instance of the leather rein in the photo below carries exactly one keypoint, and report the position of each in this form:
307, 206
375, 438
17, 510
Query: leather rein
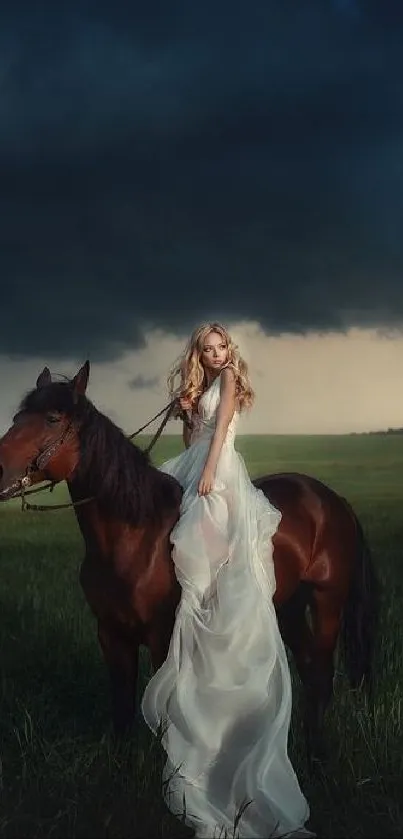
44, 457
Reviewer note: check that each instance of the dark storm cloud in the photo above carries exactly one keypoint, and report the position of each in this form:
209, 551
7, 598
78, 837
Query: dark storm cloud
141, 382
168, 162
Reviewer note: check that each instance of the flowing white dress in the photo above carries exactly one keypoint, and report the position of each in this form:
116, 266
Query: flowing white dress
222, 699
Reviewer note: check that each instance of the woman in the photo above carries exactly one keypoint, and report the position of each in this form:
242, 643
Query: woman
222, 699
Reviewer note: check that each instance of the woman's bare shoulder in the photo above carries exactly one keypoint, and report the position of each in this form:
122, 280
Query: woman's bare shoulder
227, 375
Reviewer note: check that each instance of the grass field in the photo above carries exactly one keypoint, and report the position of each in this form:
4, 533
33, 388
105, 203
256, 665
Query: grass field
61, 774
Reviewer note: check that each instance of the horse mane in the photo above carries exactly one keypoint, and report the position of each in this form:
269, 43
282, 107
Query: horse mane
111, 467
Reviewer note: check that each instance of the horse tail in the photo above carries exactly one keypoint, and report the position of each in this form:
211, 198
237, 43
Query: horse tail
361, 615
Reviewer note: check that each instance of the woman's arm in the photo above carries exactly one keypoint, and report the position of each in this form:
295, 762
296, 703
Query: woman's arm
225, 413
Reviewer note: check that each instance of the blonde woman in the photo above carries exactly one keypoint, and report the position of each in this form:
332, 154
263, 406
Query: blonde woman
222, 699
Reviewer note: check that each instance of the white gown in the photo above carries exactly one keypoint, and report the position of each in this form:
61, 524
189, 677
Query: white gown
222, 698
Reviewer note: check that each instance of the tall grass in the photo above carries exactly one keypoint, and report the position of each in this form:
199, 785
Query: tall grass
62, 775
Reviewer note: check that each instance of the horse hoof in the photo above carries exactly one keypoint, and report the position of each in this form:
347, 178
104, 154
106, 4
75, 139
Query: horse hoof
121, 732
317, 759
316, 753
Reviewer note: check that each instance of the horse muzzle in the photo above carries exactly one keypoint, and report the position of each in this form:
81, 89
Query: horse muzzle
10, 486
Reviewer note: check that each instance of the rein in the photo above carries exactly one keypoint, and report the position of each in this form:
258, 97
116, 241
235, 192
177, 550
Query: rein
45, 456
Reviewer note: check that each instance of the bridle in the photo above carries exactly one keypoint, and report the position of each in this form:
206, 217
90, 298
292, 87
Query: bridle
43, 458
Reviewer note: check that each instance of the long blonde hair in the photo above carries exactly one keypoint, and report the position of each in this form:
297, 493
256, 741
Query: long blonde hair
192, 376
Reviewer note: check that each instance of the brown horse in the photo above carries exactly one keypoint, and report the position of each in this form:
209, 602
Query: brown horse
321, 557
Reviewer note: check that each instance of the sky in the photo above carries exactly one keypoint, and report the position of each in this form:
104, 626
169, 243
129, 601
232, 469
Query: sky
163, 164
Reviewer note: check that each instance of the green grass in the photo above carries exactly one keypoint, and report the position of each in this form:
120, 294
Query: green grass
61, 774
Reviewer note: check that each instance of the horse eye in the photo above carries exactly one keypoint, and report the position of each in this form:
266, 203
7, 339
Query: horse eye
51, 419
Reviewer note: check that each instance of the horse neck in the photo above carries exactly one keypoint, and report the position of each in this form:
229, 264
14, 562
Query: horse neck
124, 550
133, 497
110, 469
98, 530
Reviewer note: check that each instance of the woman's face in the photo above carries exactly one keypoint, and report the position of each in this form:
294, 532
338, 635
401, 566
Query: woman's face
214, 353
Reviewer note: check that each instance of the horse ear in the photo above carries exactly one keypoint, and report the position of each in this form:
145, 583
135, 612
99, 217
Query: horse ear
44, 378
80, 381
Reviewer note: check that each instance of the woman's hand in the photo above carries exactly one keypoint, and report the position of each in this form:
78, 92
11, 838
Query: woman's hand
206, 482
183, 409
185, 403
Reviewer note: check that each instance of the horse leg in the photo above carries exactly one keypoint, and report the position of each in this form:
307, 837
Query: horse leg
121, 657
326, 621
158, 643
297, 634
